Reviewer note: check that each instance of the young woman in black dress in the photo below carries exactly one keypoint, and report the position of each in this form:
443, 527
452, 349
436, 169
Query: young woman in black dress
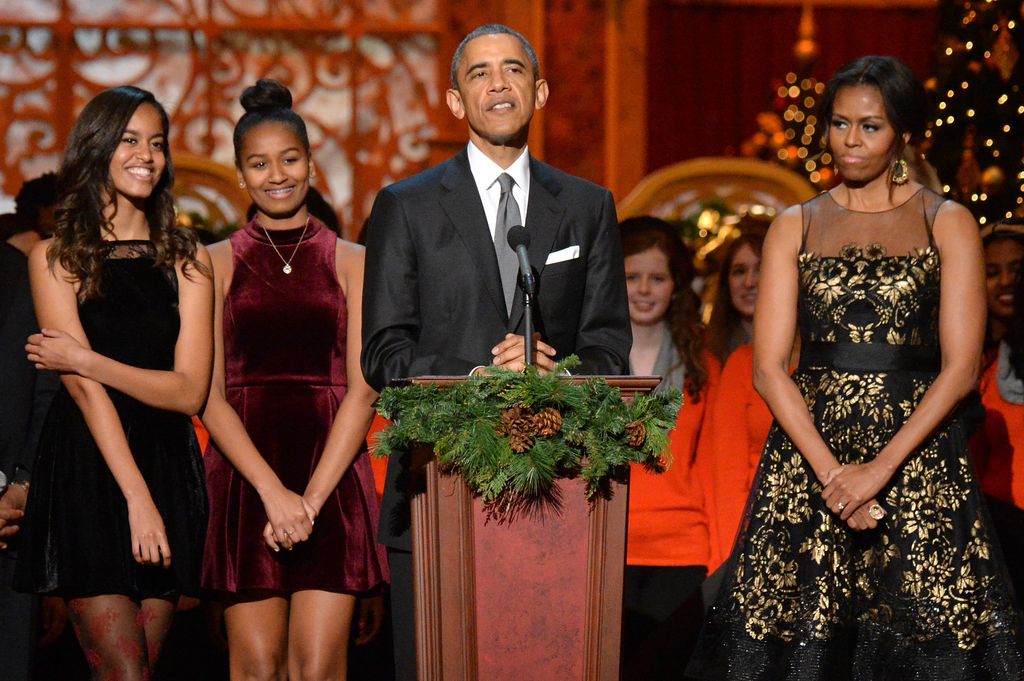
117, 505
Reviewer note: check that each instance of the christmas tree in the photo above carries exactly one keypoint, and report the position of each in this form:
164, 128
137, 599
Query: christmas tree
789, 132
975, 138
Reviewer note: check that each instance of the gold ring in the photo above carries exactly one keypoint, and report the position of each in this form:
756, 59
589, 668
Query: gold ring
840, 506
876, 511
288, 532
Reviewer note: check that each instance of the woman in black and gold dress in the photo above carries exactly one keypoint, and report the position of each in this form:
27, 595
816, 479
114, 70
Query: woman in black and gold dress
865, 551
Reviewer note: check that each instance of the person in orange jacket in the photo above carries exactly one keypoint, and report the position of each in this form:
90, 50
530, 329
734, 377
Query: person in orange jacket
731, 441
998, 446
667, 539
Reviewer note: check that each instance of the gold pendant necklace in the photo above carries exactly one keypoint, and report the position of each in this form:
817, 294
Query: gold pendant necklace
287, 269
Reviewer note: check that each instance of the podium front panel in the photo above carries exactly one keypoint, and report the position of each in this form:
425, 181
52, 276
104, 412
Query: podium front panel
538, 598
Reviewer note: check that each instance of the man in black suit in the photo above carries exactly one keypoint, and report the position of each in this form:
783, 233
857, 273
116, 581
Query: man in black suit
437, 298
25, 396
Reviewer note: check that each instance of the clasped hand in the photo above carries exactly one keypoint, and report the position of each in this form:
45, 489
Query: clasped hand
289, 519
55, 350
510, 353
850, 492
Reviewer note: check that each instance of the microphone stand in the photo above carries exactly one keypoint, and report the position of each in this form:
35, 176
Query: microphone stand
519, 241
527, 286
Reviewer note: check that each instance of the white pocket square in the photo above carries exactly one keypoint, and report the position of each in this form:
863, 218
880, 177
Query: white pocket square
570, 253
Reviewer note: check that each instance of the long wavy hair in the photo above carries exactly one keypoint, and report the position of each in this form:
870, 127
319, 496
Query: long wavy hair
725, 319
86, 191
683, 316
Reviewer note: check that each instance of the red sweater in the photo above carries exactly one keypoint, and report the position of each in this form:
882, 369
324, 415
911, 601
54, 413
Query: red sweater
998, 446
730, 448
668, 525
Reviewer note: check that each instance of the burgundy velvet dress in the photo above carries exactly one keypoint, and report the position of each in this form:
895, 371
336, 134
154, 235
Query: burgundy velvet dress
285, 375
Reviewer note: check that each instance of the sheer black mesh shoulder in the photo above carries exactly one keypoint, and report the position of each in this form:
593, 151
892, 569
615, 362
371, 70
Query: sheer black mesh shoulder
831, 230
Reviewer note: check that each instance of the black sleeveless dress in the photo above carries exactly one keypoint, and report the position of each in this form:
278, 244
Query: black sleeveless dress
76, 540
923, 596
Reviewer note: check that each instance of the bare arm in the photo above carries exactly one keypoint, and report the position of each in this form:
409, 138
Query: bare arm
774, 329
286, 510
961, 334
182, 389
57, 307
348, 434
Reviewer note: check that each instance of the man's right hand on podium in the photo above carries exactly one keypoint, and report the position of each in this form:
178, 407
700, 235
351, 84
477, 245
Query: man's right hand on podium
511, 352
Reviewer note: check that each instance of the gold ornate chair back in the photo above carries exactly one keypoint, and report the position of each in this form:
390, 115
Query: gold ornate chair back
678, 190
209, 189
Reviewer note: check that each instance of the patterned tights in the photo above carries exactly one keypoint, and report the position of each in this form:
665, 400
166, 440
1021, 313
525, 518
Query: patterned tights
120, 637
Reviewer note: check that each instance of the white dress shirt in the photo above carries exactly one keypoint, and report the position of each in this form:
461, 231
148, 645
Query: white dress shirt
485, 174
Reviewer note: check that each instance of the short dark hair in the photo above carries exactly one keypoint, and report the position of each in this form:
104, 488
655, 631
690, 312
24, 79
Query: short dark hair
492, 29
267, 101
903, 96
35, 195
1010, 229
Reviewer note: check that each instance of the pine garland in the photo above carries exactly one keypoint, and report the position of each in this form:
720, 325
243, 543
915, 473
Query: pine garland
510, 435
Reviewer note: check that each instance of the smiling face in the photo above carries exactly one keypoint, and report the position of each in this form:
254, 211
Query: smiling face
497, 95
140, 157
744, 273
861, 137
275, 168
1003, 265
649, 286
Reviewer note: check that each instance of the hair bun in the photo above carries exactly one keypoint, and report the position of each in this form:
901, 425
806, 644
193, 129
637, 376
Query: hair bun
266, 94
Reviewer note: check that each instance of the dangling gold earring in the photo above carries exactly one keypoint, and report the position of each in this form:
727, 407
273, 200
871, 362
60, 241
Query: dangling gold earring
900, 172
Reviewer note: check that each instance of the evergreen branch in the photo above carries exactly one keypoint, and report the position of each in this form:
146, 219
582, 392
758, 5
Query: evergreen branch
512, 435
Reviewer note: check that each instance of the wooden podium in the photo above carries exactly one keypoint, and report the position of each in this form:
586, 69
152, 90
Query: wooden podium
536, 599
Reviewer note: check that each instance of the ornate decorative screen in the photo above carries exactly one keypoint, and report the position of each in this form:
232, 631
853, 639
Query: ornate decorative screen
364, 75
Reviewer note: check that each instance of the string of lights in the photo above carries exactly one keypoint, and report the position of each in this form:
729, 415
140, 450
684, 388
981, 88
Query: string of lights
975, 137
789, 133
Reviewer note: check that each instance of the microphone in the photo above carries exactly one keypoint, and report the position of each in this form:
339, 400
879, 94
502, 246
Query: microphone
519, 241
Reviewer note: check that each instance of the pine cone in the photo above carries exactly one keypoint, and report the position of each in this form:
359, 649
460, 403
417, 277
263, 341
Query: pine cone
520, 441
508, 417
547, 422
636, 434
517, 425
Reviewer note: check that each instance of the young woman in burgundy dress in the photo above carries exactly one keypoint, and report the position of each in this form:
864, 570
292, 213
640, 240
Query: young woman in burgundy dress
292, 503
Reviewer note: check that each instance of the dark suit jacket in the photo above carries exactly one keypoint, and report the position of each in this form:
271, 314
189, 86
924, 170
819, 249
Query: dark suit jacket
432, 299
25, 393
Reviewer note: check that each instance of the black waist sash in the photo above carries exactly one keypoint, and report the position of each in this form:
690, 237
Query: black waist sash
870, 357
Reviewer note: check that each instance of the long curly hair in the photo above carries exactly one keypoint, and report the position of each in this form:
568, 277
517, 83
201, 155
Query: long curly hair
683, 315
726, 320
86, 191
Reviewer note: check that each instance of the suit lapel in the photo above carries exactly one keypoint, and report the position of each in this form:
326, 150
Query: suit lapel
461, 202
543, 218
